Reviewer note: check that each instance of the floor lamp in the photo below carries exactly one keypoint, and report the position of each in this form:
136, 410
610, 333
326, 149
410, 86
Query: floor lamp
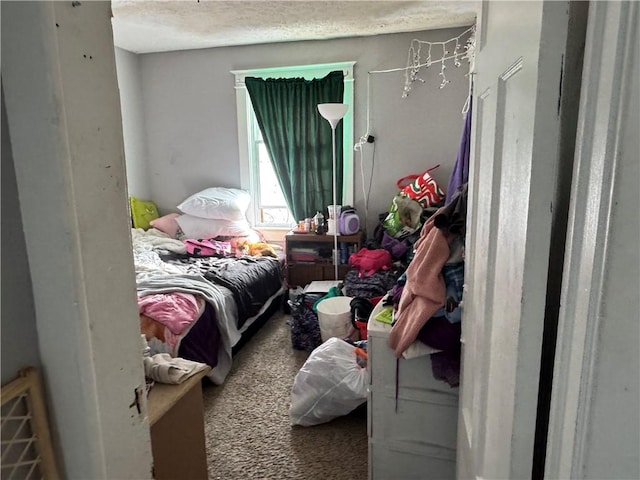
333, 113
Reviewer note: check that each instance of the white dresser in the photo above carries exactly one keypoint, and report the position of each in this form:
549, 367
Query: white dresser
418, 441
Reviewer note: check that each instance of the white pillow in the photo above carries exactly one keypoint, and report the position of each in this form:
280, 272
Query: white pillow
219, 203
196, 227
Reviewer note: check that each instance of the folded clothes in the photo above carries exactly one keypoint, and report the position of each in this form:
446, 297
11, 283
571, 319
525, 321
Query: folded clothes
163, 368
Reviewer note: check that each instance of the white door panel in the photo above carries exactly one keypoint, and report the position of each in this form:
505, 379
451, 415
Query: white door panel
514, 160
482, 220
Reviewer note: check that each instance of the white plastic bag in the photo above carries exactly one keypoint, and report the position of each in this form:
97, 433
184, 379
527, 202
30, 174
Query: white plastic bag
329, 384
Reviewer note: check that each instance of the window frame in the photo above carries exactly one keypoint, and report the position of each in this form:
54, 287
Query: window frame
246, 119
254, 171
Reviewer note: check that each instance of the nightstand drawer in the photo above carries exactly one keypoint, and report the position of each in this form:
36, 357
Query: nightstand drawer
300, 275
309, 257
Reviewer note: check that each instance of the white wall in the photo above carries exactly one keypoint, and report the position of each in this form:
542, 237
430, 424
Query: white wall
190, 113
133, 129
19, 334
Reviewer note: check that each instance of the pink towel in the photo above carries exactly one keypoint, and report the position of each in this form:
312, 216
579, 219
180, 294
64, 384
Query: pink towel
424, 291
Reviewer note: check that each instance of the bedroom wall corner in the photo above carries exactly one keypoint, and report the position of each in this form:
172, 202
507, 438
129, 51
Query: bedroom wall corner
133, 124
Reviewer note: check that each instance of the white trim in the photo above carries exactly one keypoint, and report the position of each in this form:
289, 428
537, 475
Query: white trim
243, 139
608, 65
307, 71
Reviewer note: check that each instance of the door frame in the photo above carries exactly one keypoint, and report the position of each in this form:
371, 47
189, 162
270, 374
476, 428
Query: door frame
63, 113
608, 63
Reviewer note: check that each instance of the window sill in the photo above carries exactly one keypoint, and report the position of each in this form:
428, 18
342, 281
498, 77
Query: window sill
273, 234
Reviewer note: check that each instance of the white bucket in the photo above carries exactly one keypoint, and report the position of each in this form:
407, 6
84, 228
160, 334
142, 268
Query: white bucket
334, 317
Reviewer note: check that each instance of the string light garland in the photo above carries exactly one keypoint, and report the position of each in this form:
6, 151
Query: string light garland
416, 61
414, 64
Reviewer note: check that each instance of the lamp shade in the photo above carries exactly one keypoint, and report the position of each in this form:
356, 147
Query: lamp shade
333, 112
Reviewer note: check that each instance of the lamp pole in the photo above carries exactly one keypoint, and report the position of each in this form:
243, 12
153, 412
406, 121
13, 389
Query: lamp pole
335, 220
333, 113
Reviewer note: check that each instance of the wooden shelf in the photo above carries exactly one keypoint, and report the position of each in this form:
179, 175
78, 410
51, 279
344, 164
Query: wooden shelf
175, 415
312, 237
300, 273
163, 397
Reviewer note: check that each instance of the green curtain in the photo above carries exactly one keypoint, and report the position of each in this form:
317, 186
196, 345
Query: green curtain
298, 139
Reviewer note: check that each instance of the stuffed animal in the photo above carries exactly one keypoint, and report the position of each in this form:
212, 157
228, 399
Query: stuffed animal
259, 249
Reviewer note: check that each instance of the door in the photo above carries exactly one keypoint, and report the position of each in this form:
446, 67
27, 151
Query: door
63, 111
518, 72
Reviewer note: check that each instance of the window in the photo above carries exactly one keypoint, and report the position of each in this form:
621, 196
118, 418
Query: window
271, 208
268, 207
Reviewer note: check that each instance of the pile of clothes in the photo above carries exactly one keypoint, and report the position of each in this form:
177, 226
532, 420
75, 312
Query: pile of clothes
427, 296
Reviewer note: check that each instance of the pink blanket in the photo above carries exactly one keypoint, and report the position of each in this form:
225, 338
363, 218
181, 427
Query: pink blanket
424, 291
175, 310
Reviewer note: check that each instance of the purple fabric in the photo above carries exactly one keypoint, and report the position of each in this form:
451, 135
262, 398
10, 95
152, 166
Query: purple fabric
446, 366
203, 341
439, 333
460, 172
395, 247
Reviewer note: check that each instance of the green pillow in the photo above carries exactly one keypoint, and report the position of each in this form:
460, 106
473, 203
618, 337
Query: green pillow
142, 212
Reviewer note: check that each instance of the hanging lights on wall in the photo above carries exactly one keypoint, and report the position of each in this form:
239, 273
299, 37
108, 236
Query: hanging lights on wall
424, 54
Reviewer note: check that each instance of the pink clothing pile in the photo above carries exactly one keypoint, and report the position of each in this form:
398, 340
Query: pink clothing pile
175, 310
424, 292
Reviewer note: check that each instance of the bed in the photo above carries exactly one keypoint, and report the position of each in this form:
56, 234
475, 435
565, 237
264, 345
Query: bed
214, 301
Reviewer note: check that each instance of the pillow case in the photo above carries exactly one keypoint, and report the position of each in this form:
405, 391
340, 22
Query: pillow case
197, 227
142, 212
167, 224
218, 203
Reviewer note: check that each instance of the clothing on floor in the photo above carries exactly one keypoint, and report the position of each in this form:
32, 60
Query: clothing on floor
375, 285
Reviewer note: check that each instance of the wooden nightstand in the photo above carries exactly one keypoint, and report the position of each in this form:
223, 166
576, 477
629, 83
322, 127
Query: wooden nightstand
309, 256
177, 430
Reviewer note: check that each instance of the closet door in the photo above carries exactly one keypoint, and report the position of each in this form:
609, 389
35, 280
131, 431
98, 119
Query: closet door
519, 61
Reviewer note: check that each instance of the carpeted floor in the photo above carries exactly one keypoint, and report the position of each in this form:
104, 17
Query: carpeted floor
247, 426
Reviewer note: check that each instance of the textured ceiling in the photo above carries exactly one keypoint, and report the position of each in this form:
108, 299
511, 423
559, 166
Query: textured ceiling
142, 26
